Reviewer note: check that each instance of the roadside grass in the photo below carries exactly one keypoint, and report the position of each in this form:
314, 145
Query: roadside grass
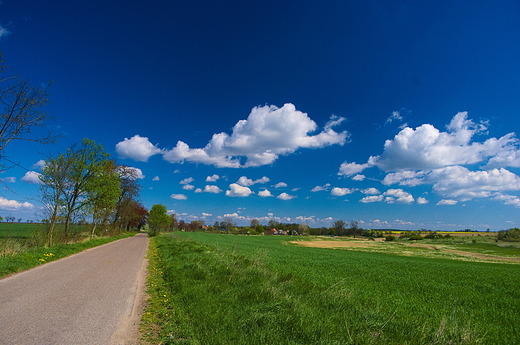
17, 230
26, 258
224, 289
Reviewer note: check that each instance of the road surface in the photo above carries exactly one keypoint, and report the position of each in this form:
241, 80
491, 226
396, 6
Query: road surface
93, 297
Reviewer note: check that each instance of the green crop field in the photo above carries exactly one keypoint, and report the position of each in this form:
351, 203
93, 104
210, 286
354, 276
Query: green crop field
17, 230
225, 289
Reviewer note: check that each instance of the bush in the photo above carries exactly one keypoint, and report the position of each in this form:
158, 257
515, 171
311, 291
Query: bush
416, 237
511, 235
389, 238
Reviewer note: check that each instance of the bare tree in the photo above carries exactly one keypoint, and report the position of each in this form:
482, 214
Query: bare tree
21, 110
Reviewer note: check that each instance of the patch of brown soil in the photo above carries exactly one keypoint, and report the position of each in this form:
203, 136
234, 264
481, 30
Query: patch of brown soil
333, 244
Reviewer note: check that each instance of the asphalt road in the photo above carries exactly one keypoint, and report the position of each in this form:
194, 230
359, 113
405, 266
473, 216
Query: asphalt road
93, 297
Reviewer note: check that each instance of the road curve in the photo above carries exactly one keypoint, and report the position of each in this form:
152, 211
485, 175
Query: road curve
87, 298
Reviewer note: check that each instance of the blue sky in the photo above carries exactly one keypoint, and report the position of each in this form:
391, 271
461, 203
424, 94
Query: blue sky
398, 114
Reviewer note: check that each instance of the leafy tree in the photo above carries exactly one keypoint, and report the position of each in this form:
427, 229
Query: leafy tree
128, 202
22, 110
158, 219
78, 182
511, 235
303, 229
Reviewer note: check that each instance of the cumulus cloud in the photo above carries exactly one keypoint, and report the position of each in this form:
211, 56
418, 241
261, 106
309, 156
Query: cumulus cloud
358, 177
156, 178
508, 199
206, 214
212, 178
370, 191
13, 205
178, 196
137, 148
285, 196
212, 189
349, 169
398, 196
428, 148
372, 198
32, 177
187, 180
443, 159
138, 173
280, 185
39, 164
321, 188
236, 190
422, 201
265, 193
244, 181
336, 191
267, 133
188, 187
447, 202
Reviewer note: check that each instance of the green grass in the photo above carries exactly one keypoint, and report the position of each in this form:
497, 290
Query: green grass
17, 230
224, 289
32, 257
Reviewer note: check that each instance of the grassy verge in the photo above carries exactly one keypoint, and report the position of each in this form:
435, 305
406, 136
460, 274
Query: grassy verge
218, 289
31, 257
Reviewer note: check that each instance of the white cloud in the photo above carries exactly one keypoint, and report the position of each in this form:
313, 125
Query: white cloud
372, 198
398, 196
212, 178
231, 215
428, 148
187, 180
137, 148
32, 177
349, 169
13, 205
178, 196
336, 191
422, 201
8, 179
396, 115
321, 188
370, 191
198, 190
285, 196
156, 178
3, 31
188, 187
212, 189
280, 185
358, 177
508, 199
39, 164
447, 202
206, 214
246, 182
266, 134
265, 193
463, 184
237, 190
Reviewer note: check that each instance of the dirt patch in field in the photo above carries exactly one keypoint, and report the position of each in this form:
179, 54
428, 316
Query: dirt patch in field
367, 244
333, 244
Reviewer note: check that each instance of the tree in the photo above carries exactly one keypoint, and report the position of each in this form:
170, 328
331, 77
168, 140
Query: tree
79, 182
339, 227
158, 218
303, 229
21, 112
127, 202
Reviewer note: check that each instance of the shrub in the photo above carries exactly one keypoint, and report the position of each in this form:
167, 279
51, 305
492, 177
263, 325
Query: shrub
416, 237
389, 238
511, 235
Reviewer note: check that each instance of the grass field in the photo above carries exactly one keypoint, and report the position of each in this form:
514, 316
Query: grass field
17, 230
224, 289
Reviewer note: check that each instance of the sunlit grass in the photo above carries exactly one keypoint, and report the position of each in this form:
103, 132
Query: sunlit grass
223, 289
